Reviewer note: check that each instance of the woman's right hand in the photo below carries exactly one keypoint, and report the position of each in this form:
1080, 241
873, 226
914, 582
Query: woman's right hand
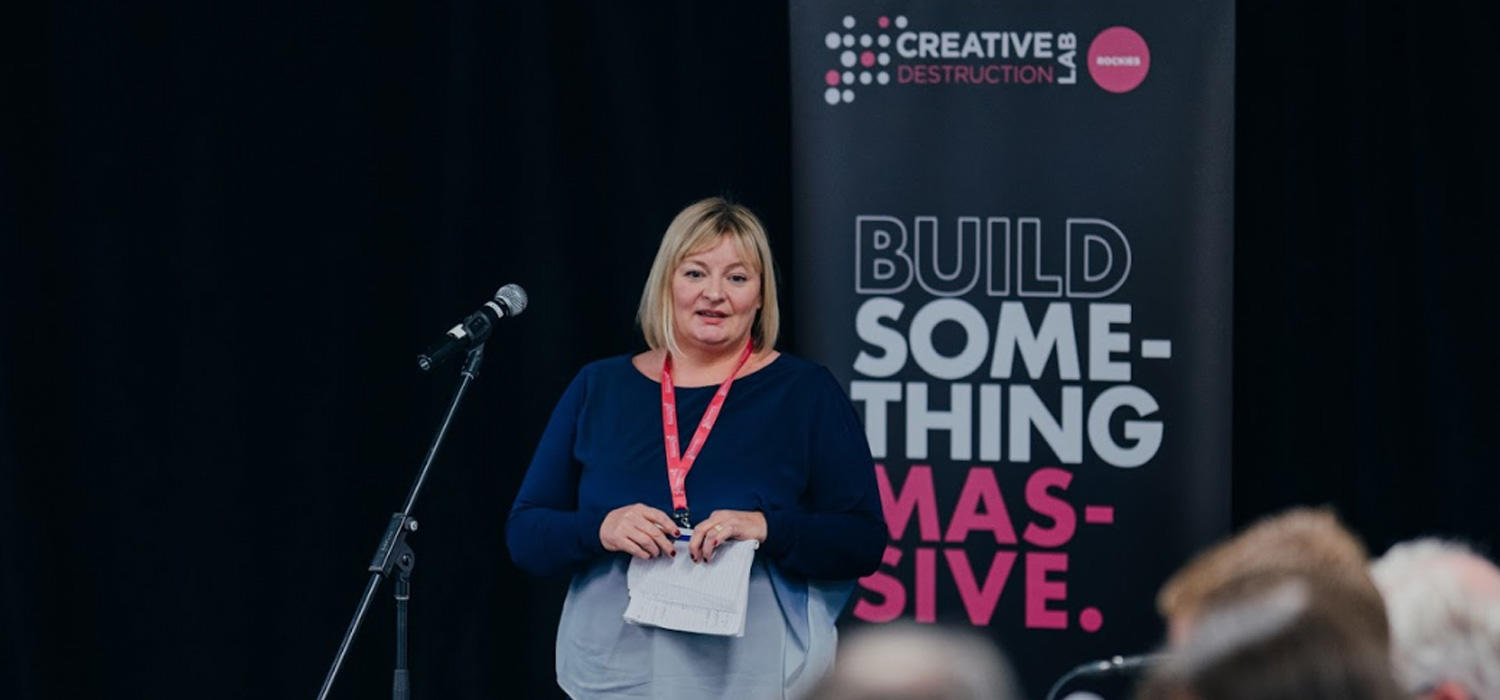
638, 530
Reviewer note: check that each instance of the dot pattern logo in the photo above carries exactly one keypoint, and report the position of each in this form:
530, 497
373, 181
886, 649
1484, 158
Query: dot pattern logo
862, 57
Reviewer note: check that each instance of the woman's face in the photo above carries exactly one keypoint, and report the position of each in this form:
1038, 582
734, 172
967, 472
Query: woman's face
715, 295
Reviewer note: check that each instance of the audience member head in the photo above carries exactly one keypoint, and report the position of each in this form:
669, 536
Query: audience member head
1443, 601
904, 661
1297, 638
1302, 543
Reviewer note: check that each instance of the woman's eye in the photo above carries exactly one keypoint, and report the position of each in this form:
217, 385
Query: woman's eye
741, 279
695, 274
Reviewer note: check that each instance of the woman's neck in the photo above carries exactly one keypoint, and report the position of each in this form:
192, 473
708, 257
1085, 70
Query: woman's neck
697, 366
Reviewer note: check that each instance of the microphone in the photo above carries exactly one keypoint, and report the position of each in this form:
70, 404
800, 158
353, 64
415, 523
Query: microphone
509, 300
1103, 667
1115, 664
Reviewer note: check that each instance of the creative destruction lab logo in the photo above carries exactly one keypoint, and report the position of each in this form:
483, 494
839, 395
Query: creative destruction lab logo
890, 52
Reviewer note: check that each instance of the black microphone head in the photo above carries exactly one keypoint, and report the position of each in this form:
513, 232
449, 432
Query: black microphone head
512, 298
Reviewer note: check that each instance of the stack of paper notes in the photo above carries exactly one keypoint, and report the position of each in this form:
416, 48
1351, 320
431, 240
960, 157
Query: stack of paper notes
678, 593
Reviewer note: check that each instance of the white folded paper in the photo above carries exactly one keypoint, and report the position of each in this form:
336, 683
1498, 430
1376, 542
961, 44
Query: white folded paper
678, 593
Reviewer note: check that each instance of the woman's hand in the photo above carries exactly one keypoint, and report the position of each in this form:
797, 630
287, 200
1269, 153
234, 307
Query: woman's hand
638, 530
725, 525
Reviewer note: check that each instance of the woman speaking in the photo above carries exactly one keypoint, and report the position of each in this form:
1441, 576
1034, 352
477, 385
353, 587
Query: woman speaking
712, 429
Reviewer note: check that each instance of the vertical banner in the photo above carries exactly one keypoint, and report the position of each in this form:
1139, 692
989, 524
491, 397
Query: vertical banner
1014, 239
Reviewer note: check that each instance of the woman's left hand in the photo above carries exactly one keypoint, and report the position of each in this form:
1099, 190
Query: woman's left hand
725, 525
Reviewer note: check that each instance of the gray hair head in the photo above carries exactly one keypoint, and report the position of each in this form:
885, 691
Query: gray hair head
902, 660
1443, 601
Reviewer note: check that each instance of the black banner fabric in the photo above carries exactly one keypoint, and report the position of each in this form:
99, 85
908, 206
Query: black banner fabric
1014, 242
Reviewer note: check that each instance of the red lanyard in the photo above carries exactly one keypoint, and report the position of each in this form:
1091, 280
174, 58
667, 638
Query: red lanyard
679, 464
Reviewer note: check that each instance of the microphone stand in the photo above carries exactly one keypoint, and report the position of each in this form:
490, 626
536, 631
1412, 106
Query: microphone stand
1114, 664
393, 552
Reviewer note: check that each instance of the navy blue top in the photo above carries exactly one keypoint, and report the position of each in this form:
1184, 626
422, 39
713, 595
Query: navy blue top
788, 443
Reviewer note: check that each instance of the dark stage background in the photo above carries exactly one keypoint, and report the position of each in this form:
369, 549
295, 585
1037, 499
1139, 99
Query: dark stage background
228, 230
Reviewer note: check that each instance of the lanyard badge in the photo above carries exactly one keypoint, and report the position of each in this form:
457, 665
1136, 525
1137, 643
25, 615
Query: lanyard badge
680, 463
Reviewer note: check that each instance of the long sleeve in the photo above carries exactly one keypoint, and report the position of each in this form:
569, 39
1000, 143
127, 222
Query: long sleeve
547, 532
836, 531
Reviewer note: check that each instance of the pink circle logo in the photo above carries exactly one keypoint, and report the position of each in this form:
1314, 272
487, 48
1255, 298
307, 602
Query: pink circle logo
1119, 59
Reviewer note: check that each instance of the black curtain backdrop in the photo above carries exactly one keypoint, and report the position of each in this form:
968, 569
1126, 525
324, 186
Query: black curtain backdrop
228, 230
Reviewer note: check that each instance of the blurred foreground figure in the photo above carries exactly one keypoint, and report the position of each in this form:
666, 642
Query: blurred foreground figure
1295, 639
1300, 544
903, 661
1443, 601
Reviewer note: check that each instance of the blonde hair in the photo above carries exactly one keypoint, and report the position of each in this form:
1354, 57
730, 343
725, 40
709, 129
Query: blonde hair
1309, 543
697, 228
